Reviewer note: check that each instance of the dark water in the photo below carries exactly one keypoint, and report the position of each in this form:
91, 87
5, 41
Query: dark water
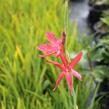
79, 11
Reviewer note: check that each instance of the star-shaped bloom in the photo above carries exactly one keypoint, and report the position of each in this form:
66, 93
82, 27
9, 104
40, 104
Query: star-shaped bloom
68, 71
54, 47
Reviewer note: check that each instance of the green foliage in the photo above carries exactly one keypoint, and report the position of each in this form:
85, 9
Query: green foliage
100, 58
101, 50
105, 19
26, 81
98, 2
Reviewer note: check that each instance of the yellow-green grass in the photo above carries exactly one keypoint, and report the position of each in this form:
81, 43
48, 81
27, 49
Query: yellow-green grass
26, 81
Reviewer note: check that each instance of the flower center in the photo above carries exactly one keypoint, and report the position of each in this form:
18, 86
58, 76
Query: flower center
67, 70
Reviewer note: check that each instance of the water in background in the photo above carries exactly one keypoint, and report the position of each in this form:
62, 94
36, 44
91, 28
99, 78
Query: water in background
79, 11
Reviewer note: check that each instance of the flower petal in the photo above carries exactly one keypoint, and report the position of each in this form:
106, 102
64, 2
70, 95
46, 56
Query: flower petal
63, 35
76, 60
69, 81
76, 74
45, 48
58, 53
59, 80
63, 58
51, 37
57, 64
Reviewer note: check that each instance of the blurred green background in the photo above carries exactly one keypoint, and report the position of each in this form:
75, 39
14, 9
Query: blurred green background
26, 81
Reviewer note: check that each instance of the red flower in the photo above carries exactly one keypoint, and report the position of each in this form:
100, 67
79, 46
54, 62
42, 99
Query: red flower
68, 70
55, 47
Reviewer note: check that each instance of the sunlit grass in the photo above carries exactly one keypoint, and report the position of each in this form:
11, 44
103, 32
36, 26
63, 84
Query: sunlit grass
26, 81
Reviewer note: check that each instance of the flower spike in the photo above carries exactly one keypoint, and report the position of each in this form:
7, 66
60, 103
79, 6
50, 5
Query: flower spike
56, 46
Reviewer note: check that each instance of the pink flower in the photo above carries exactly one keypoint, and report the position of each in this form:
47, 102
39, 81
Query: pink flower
68, 70
54, 47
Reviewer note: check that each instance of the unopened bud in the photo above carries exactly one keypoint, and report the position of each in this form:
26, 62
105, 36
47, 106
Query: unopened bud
63, 37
